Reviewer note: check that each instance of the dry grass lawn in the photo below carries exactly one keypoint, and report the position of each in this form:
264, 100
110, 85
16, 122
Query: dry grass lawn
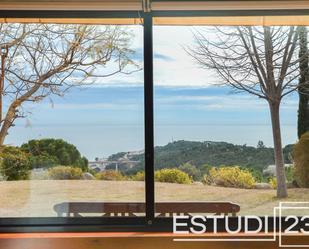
37, 198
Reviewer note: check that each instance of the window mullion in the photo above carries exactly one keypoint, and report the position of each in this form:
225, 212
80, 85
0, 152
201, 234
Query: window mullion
149, 117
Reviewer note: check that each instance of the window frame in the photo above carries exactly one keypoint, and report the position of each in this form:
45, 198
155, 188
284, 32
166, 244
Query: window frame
148, 223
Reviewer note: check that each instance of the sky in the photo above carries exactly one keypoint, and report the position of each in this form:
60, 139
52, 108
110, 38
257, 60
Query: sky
107, 117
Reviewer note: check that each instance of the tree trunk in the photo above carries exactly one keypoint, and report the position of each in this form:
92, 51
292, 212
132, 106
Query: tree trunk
280, 172
11, 114
6, 124
303, 107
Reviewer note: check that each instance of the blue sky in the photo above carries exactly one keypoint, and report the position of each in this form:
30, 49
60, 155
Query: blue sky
107, 117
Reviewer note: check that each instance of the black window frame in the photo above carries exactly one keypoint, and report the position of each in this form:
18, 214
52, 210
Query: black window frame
126, 224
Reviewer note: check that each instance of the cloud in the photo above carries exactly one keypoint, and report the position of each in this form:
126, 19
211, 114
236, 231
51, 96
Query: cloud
220, 102
172, 65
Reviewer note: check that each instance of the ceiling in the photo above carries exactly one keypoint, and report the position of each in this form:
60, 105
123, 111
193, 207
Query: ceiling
156, 5
166, 6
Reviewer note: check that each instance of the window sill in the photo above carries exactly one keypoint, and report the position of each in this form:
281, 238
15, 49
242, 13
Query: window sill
124, 235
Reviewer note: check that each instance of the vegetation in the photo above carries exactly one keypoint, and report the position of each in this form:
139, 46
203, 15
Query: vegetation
230, 177
116, 156
165, 175
35, 66
65, 173
43, 161
15, 164
301, 161
303, 111
273, 182
139, 176
172, 176
288, 153
290, 178
192, 171
260, 61
204, 155
45, 153
257, 174
290, 174
109, 175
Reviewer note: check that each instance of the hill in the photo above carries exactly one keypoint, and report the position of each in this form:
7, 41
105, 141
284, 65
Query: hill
211, 153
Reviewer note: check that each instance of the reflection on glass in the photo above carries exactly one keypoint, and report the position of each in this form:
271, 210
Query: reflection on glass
71, 120
214, 99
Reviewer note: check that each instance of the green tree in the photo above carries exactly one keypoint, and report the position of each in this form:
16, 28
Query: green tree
303, 109
50, 152
260, 145
15, 164
191, 170
204, 169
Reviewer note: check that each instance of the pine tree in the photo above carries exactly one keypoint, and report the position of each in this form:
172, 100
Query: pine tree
303, 108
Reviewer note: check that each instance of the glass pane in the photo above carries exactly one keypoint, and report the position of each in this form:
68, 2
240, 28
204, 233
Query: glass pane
213, 129
72, 122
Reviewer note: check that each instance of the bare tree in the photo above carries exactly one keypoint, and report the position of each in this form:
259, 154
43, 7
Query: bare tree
39, 60
261, 61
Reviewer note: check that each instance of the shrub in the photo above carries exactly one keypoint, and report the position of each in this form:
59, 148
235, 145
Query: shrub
204, 169
301, 161
290, 174
273, 182
207, 179
139, 176
42, 175
191, 170
173, 176
109, 175
15, 164
231, 177
257, 174
65, 173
